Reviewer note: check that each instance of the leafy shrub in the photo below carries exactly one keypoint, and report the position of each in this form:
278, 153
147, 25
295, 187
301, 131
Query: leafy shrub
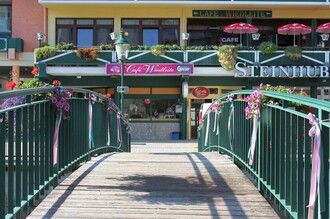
65, 46
158, 50
45, 52
268, 48
293, 53
227, 56
106, 47
89, 54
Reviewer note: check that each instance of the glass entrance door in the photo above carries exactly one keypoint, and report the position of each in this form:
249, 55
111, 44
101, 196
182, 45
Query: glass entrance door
194, 111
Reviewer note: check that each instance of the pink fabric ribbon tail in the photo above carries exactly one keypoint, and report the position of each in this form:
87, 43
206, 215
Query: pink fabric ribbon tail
207, 128
253, 138
56, 131
119, 130
316, 165
229, 126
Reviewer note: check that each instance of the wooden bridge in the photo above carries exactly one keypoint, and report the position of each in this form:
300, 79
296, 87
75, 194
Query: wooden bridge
283, 150
156, 180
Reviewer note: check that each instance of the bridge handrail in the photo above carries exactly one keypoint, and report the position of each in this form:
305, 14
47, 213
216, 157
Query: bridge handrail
28, 134
280, 168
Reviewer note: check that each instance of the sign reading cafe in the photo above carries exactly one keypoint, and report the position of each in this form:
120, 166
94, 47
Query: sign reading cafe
151, 69
254, 71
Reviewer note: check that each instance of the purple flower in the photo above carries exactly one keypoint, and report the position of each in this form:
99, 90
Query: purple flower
54, 100
67, 107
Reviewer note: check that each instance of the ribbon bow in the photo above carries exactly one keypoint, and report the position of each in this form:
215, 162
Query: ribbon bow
316, 164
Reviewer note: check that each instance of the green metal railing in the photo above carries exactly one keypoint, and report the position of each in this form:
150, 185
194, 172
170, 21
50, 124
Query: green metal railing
27, 167
283, 157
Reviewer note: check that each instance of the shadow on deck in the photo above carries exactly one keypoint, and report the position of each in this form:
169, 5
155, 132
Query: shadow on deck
152, 182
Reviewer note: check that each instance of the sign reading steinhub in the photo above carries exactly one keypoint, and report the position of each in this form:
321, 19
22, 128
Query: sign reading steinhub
232, 13
150, 69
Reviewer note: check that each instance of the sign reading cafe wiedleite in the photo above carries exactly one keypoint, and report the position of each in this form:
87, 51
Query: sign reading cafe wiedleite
253, 71
150, 69
232, 13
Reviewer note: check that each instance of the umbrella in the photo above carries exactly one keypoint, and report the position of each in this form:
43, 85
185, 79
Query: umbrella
239, 28
294, 29
324, 28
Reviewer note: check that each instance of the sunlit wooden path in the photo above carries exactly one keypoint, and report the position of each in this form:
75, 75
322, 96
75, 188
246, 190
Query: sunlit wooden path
161, 180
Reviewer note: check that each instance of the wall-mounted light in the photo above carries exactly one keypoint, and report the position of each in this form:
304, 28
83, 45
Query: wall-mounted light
40, 37
78, 76
325, 36
113, 35
255, 36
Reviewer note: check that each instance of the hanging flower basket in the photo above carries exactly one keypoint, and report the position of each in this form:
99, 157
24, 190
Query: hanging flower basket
227, 56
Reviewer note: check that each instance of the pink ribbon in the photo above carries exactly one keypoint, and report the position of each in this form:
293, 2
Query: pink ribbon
316, 164
253, 138
55, 142
229, 128
207, 128
118, 129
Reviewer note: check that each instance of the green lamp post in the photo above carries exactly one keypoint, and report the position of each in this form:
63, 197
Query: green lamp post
122, 48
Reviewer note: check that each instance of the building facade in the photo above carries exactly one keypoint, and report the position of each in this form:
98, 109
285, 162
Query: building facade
166, 91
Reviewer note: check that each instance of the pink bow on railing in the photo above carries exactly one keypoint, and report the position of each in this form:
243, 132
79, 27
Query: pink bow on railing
56, 132
253, 138
315, 132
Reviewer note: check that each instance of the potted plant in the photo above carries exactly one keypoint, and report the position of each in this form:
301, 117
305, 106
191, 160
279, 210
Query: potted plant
293, 53
89, 54
158, 50
268, 48
227, 56
45, 52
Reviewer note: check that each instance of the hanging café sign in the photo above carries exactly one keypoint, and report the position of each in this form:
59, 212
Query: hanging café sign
150, 69
259, 71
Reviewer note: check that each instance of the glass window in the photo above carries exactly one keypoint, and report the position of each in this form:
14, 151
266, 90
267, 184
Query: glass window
150, 109
151, 32
130, 22
170, 36
132, 33
65, 21
5, 21
150, 22
102, 35
170, 22
84, 32
164, 109
85, 22
136, 109
64, 35
104, 22
150, 37
84, 37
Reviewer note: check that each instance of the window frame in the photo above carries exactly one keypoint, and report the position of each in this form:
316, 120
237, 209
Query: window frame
76, 26
160, 28
10, 18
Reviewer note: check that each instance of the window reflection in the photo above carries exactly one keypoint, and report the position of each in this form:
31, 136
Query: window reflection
150, 109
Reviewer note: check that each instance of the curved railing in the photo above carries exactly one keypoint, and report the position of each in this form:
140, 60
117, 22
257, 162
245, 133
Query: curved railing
285, 163
46, 133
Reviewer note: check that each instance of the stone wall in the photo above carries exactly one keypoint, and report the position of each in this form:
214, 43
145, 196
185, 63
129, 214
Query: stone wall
154, 131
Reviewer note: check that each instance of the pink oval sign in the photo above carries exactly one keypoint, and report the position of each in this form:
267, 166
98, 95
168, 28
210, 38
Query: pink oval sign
200, 92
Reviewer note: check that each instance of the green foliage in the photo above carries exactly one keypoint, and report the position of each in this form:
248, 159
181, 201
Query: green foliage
45, 52
158, 50
106, 47
65, 46
31, 83
293, 53
227, 56
268, 48
89, 54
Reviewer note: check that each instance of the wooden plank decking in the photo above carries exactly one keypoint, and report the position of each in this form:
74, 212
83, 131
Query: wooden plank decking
156, 185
